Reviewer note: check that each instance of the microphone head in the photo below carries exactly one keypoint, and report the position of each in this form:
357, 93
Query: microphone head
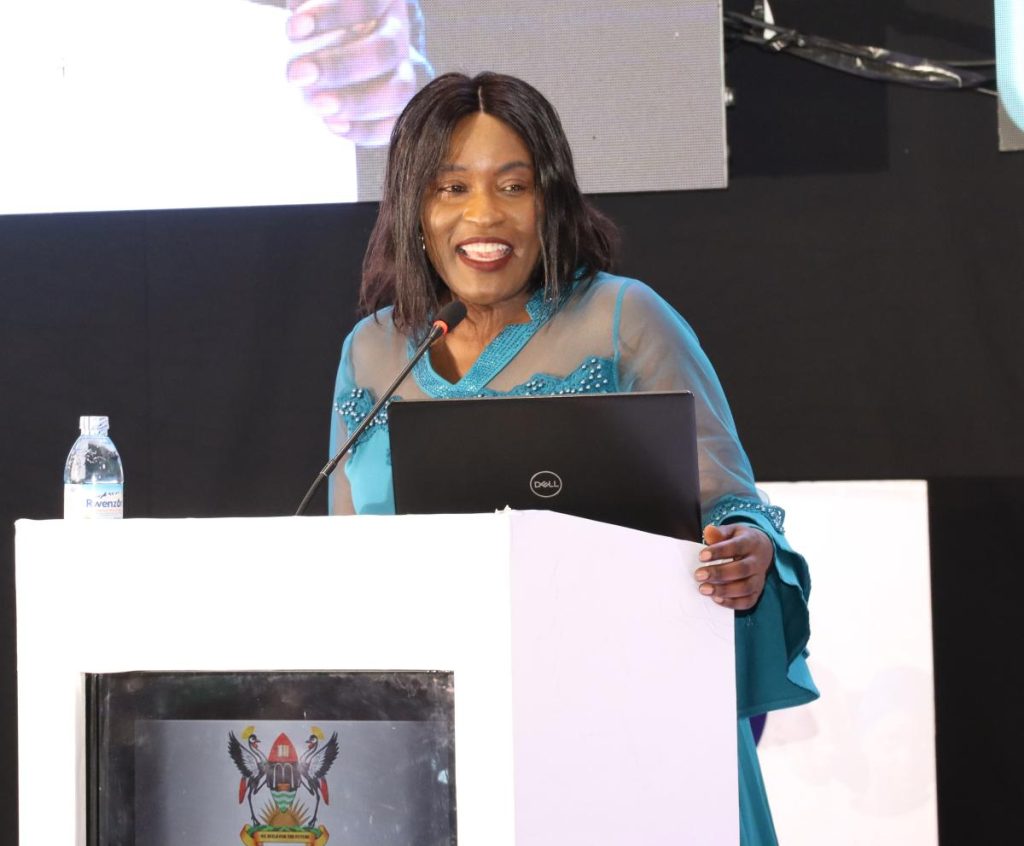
450, 316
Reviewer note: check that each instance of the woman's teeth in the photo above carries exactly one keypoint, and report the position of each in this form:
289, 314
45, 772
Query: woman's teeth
485, 251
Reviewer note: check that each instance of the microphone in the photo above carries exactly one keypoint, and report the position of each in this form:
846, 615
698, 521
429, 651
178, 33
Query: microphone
447, 319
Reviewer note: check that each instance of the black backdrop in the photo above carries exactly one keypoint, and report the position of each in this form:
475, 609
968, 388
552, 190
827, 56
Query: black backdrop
857, 286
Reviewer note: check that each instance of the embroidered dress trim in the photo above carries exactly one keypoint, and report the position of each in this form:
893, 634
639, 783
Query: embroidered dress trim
593, 376
492, 360
729, 505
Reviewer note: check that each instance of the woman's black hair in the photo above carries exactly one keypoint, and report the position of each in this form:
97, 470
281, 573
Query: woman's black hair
576, 240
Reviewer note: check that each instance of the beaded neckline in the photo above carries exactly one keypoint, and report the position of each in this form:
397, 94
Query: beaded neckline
594, 375
496, 355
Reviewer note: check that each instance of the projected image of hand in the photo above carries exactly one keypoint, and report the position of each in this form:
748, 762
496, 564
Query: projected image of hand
356, 62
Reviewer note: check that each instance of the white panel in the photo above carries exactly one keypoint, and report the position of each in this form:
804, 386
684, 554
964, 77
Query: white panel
625, 690
79, 612
858, 766
623, 681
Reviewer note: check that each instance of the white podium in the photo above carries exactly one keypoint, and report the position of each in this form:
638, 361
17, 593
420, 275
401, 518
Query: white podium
594, 686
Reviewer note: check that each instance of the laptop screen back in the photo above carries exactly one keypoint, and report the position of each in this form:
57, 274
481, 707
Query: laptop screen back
626, 459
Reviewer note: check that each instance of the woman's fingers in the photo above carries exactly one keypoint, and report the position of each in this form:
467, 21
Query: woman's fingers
727, 571
734, 565
741, 596
736, 541
738, 594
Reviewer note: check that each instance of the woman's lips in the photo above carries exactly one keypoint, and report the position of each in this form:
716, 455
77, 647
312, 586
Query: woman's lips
485, 254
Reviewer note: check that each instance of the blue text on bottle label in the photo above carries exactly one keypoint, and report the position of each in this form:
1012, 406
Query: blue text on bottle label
94, 501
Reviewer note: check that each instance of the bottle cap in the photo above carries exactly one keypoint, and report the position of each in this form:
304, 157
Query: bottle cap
94, 425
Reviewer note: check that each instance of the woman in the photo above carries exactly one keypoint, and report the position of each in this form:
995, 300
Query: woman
481, 204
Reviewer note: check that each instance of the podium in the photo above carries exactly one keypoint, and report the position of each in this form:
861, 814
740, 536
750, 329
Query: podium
594, 689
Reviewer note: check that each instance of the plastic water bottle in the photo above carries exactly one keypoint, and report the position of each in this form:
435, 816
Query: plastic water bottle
93, 475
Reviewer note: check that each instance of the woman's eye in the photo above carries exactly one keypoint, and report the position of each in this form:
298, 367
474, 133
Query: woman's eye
453, 188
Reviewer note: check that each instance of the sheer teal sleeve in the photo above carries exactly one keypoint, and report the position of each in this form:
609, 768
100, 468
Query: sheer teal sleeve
771, 638
656, 351
361, 484
339, 494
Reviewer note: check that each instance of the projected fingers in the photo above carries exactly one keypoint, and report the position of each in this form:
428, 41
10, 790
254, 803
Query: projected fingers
352, 53
336, 14
343, 60
375, 100
353, 64
369, 133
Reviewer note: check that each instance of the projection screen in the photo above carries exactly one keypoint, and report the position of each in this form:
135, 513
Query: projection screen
1010, 72
146, 104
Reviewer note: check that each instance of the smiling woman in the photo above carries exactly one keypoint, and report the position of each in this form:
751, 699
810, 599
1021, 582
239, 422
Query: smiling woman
429, 140
481, 205
480, 232
481, 215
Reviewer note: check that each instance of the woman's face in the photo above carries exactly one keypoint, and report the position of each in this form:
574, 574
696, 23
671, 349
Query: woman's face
479, 215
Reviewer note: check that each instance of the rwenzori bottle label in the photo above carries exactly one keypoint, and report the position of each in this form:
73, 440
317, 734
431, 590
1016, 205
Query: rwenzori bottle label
104, 500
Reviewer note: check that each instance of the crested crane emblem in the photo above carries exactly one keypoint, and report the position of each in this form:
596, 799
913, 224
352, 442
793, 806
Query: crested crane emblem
283, 817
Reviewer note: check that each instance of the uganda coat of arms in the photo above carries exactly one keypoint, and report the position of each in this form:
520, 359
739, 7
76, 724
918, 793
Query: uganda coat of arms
283, 817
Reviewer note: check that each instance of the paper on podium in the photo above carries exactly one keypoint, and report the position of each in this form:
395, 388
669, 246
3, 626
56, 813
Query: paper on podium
594, 686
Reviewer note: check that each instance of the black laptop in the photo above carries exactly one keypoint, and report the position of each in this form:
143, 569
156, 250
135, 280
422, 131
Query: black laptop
627, 459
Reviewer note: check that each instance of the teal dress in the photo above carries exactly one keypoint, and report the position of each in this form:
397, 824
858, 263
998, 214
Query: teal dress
614, 335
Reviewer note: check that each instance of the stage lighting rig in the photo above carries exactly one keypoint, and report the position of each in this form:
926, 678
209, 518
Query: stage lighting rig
876, 63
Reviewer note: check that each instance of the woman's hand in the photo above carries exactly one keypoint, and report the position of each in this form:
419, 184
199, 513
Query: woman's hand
734, 565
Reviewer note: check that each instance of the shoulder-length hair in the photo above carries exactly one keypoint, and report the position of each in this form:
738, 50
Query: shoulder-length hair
577, 241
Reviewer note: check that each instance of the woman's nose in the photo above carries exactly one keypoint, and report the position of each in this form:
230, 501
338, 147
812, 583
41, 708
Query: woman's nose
483, 208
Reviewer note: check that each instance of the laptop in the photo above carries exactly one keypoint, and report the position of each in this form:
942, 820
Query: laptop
626, 459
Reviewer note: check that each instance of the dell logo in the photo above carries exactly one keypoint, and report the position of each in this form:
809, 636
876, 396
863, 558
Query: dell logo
545, 484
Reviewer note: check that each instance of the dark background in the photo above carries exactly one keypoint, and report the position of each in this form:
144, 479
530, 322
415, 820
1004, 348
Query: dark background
858, 287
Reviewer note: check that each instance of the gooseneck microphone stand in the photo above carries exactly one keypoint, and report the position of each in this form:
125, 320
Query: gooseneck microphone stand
447, 319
